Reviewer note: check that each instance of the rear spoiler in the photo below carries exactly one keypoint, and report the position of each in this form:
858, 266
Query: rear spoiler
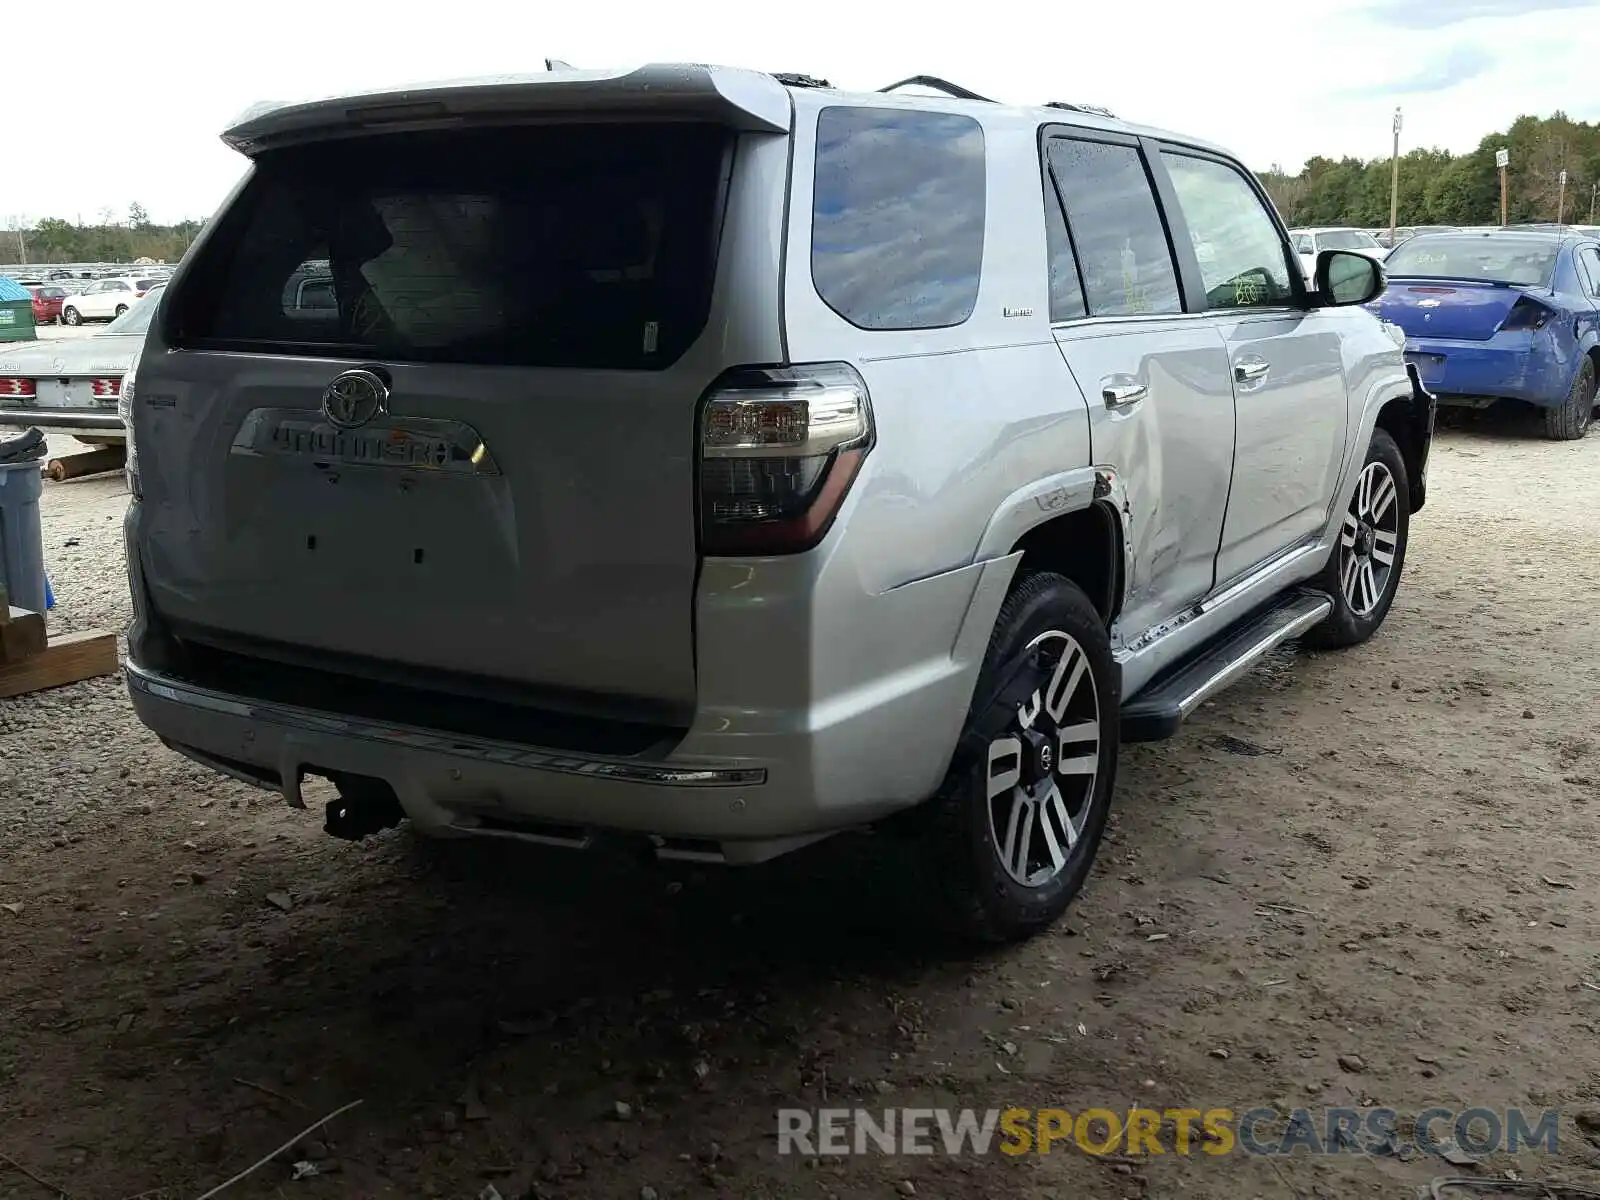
744, 100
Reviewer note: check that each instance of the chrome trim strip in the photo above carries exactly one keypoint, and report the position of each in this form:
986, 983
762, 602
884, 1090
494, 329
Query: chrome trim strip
1233, 591
1270, 639
425, 444
141, 679
1152, 638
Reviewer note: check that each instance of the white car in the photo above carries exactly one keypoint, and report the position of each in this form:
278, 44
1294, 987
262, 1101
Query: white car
105, 299
1308, 243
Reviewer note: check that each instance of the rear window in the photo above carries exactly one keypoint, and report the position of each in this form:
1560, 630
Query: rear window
1530, 262
567, 246
897, 216
1347, 239
144, 285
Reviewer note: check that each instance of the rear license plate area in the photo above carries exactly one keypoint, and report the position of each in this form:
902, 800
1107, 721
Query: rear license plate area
68, 393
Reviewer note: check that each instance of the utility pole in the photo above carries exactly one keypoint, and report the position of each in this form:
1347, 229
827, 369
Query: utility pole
1561, 203
1502, 159
1394, 178
1594, 194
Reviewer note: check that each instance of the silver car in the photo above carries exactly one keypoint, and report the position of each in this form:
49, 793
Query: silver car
72, 385
722, 460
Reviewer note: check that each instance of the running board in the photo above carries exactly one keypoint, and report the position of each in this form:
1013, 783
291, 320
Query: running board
1156, 712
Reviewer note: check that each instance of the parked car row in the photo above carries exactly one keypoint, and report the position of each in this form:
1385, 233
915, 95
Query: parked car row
74, 302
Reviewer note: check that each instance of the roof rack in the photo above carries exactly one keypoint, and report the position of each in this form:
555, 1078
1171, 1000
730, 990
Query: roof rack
791, 79
1095, 109
943, 85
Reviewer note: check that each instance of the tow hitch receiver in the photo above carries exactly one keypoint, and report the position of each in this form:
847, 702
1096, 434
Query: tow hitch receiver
365, 806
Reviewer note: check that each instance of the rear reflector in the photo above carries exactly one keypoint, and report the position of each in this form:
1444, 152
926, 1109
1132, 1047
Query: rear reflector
1526, 314
18, 386
779, 448
108, 387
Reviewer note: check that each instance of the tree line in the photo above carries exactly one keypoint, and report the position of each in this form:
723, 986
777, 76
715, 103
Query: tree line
55, 240
1440, 188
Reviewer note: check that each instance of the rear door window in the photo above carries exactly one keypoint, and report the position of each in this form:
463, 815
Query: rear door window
897, 219
1117, 230
561, 246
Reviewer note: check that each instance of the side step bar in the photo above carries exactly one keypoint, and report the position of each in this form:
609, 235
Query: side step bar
1160, 709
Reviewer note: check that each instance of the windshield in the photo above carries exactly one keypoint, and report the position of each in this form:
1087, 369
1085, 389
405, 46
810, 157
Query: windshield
1347, 239
137, 318
1527, 261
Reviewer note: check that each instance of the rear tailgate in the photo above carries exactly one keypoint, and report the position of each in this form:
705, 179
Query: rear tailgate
1466, 310
505, 488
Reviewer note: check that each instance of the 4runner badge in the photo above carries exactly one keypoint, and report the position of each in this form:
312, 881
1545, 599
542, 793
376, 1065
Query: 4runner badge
354, 398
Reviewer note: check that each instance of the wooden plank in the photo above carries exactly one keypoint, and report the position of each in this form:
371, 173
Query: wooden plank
67, 659
22, 634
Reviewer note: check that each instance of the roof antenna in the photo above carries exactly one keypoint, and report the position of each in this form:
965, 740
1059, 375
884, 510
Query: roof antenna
556, 64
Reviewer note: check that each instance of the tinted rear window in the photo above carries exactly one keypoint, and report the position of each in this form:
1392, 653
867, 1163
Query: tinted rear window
569, 246
1347, 239
897, 216
1528, 261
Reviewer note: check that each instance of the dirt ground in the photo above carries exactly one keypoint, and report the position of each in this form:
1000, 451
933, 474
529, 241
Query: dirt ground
1386, 853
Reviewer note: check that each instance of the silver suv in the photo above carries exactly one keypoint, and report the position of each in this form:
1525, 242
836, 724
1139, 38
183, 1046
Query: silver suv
723, 460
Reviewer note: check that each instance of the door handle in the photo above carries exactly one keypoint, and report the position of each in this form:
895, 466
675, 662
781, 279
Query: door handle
1251, 370
1122, 395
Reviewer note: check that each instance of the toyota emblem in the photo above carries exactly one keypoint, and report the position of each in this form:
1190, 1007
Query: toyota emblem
354, 398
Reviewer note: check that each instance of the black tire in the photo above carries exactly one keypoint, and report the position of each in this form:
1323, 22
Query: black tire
1572, 419
1030, 659
121, 308
70, 316
1353, 619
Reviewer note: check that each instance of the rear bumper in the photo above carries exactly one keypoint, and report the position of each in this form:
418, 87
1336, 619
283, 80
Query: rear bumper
69, 421
773, 759
1509, 366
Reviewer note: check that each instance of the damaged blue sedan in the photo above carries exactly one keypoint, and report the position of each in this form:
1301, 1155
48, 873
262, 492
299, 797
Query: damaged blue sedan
1502, 316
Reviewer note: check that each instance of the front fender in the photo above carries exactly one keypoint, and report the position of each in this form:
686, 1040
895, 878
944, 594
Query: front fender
1408, 411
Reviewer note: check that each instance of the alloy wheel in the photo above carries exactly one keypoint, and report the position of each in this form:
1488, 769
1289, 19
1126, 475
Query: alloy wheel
1368, 540
1042, 767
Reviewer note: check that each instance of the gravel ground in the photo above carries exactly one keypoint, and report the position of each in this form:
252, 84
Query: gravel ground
1355, 878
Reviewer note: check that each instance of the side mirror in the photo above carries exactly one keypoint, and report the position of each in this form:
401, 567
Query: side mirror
1344, 277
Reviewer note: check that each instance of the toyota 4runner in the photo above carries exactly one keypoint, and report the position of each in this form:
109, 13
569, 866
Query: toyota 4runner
724, 460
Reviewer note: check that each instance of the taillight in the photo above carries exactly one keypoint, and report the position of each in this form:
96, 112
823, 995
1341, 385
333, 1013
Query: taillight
779, 448
108, 387
17, 387
1526, 314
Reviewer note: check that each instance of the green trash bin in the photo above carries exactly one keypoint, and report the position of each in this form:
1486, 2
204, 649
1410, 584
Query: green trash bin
16, 312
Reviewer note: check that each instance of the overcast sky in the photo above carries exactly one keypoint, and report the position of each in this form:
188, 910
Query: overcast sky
1276, 81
